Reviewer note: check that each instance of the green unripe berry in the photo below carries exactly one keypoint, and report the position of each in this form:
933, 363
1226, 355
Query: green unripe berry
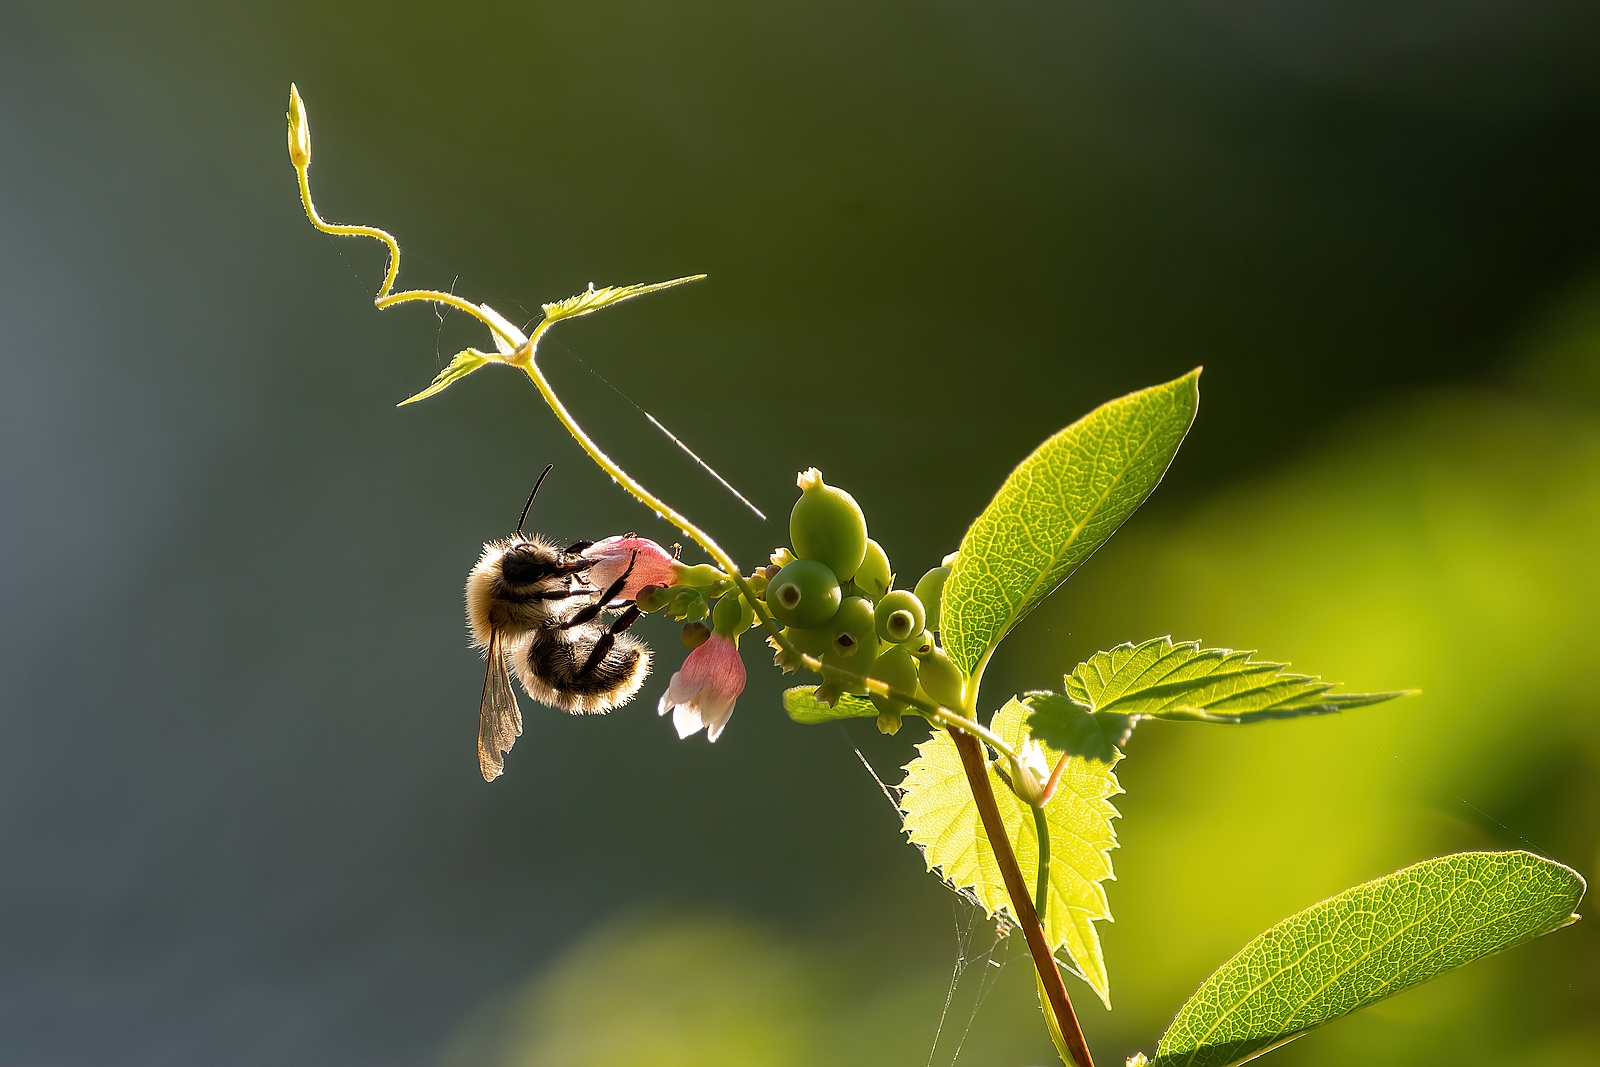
839, 674
732, 616
895, 668
921, 645
899, 616
804, 594
873, 576
812, 642
930, 590
942, 679
827, 525
855, 634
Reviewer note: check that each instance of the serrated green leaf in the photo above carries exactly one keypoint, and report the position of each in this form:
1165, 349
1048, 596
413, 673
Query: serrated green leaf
1068, 726
803, 707
942, 819
1365, 944
1056, 508
593, 299
1162, 680
462, 365
1107, 694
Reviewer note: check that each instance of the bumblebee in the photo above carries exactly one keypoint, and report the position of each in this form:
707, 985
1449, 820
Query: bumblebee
532, 611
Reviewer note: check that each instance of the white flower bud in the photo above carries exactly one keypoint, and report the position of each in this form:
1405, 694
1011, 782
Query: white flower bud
1029, 773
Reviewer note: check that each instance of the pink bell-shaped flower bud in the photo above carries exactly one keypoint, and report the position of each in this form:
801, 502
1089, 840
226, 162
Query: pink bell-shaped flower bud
654, 565
702, 692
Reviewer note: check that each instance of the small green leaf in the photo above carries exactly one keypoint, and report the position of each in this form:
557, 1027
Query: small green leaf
1110, 692
1064, 724
942, 819
804, 708
1162, 680
1365, 944
1056, 508
593, 299
462, 365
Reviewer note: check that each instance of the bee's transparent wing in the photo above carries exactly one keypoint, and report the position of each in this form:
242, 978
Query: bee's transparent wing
499, 718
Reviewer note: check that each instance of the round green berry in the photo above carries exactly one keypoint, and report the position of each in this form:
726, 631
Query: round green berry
899, 616
827, 525
942, 679
804, 594
811, 642
895, 668
873, 576
930, 589
855, 634
921, 645
732, 616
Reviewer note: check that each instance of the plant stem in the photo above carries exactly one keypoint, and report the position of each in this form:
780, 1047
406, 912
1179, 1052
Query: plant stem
1041, 895
1043, 961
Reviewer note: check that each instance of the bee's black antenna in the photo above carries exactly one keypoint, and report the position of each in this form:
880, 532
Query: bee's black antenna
531, 495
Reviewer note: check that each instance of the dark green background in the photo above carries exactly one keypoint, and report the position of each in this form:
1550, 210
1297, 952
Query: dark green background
240, 815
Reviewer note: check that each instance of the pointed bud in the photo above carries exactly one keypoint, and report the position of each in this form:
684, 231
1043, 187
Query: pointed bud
1029, 773
299, 130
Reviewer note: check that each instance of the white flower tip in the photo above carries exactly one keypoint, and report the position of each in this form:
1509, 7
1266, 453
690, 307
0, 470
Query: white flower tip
686, 720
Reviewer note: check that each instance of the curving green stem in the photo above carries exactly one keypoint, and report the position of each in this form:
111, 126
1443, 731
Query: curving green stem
1041, 894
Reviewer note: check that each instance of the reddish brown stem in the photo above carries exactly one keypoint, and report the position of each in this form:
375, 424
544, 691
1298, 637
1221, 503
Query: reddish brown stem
1021, 904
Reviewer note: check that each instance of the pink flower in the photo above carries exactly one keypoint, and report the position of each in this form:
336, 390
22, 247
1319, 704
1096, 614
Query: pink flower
654, 566
702, 692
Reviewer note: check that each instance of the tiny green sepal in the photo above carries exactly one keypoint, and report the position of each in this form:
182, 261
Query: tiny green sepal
463, 364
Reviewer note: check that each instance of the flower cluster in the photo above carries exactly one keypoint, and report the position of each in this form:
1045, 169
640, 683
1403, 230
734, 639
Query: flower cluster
832, 593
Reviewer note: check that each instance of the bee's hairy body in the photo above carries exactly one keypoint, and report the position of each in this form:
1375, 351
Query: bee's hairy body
530, 609
550, 667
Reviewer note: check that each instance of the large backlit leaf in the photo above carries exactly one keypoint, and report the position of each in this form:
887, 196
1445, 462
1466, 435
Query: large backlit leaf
1365, 944
592, 299
803, 706
942, 819
464, 363
1056, 508
1111, 691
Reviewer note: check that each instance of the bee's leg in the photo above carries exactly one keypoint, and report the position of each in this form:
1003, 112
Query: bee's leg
583, 615
578, 546
603, 646
559, 594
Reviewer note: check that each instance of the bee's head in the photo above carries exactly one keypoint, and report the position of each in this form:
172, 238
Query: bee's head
526, 561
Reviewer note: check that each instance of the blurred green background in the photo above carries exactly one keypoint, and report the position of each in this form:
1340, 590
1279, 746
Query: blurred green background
241, 818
